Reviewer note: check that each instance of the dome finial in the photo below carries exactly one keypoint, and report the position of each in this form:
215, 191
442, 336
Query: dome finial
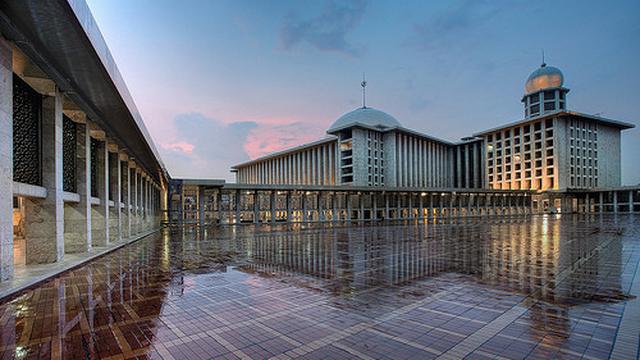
364, 85
543, 63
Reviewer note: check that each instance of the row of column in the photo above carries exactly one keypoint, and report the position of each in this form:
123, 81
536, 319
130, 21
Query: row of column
613, 201
124, 204
259, 206
312, 166
422, 163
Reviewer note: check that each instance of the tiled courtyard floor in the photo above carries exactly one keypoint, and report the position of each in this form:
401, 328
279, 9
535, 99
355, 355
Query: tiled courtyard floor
539, 287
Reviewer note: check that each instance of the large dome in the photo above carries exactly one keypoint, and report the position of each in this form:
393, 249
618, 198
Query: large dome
365, 116
544, 78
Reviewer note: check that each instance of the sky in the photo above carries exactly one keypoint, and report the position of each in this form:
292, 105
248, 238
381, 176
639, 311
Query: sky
221, 82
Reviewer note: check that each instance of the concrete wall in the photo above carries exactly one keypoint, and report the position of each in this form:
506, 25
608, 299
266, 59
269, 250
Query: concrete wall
609, 166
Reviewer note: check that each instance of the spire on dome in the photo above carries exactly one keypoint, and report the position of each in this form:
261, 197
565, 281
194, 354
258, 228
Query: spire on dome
364, 85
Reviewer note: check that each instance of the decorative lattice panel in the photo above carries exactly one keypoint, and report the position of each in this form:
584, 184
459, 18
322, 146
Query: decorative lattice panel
95, 146
123, 180
27, 112
69, 146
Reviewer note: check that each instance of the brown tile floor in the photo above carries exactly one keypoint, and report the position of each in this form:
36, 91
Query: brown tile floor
536, 287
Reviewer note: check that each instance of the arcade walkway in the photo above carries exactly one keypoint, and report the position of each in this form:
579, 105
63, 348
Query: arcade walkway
78, 171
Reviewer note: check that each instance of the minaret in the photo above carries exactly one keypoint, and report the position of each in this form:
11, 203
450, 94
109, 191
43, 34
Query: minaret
544, 91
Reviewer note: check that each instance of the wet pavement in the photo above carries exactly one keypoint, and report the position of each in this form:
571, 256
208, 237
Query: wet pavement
528, 287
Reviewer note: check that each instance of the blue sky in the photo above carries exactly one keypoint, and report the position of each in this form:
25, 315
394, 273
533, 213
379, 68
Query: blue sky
220, 82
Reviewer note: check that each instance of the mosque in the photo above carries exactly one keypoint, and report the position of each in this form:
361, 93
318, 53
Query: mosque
551, 148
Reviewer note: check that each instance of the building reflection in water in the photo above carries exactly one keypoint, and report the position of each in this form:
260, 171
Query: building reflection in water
555, 263
530, 256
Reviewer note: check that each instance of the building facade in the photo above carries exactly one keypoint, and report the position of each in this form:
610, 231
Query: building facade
552, 148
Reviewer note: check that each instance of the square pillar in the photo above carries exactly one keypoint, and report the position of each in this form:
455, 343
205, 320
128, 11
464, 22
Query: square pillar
201, 206
374, 205
77, 216
44, 218
387, 211
115, 185
237, 207
272, 206
100, 212
288, 205
334, 207
319, 206
136, 202
256, 207
303, 195
128, 201
6, 160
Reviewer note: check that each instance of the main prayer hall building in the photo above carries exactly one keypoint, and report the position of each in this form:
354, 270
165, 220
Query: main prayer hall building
552, 148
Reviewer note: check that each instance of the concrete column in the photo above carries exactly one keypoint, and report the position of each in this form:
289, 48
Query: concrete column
44, 218
600, 202
256, 207
467, 171
139, 214
587, 203
6, 160
410, 196
374, 205
134, 201
361, 206
387, 211
115, 185
201, 206
272, 206
398, 206
288, 205
100, 212
320, 210
458, 156
421, 207
128, 204
334, 204
630, 201
237, 207
348, 198
304, 206
615, 201
77, 216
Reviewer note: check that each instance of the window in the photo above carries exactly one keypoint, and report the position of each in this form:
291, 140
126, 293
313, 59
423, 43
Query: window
549, 95
535, 109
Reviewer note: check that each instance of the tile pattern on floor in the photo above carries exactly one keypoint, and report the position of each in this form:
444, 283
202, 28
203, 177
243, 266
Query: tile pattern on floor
537, 287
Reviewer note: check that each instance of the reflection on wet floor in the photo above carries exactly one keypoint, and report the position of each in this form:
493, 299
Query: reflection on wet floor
534, 287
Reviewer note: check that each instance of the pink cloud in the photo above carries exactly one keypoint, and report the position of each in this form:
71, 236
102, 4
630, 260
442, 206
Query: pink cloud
266, 139
181, 146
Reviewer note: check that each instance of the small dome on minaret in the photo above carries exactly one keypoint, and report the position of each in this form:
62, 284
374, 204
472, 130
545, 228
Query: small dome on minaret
545, 77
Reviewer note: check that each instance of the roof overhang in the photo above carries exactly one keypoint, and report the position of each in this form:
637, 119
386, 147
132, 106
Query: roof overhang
62, 38
604, 121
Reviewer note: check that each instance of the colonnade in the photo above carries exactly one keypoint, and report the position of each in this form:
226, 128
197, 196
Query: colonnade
614, 200
229, 205
67, 186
